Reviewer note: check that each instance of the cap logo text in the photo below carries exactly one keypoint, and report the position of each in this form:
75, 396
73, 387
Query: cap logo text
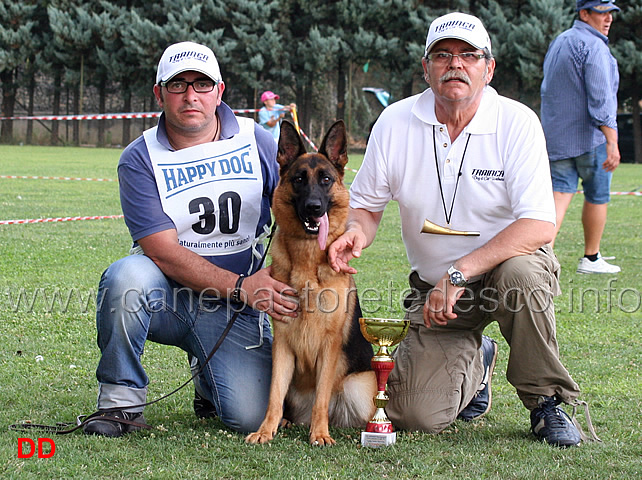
455, 24
179, 57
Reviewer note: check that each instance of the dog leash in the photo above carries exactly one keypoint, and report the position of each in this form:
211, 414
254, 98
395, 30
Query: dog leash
62, 428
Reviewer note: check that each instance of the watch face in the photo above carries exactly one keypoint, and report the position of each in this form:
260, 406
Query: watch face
457, 279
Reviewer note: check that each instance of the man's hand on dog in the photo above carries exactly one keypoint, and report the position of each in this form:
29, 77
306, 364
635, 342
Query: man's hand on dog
361, 229
268, 295
344, 249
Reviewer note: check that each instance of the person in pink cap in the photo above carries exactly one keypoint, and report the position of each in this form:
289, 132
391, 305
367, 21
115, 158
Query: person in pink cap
272, 113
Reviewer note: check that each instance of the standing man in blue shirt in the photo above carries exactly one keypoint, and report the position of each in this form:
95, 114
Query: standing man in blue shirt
579, 111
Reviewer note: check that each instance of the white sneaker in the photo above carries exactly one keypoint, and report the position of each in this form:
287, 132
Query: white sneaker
598, 266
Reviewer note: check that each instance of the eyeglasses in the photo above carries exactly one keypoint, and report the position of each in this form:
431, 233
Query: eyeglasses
180, 86
444, 58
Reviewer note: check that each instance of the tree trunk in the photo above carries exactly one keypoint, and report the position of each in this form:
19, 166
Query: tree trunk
637, 128
8, 105
76, 123
307, 107
341, 89
102, 100
55, 140
32, 88
126, 122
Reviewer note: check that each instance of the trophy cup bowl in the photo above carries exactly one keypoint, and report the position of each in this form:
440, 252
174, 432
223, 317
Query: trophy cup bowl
384, 333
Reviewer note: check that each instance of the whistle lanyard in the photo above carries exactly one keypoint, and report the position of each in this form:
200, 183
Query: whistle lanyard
448, 213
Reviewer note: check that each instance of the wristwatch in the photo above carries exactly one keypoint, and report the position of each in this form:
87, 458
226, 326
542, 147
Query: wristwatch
236, 293
456, 277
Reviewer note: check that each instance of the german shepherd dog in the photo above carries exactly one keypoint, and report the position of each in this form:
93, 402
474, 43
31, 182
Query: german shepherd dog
321, 363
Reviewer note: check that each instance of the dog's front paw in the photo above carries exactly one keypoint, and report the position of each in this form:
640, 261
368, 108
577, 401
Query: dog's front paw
259, 437
321, 440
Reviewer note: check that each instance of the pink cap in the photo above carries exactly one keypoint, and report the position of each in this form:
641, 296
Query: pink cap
267, 95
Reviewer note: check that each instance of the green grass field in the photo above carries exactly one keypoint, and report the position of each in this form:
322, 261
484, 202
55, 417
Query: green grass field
49, 273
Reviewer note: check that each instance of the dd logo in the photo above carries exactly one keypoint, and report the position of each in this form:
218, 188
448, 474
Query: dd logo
32, 448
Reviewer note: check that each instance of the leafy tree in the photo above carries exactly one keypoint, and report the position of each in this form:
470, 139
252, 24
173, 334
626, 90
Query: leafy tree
74, 37
130, 48
249, 31
405, 26
27, 74
521, 31
16, 46
310, 50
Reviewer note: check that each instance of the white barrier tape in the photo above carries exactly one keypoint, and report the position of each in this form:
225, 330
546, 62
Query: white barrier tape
96, 116
34, 177
119, 116
103, 116
250, 110
58, 219
307, 139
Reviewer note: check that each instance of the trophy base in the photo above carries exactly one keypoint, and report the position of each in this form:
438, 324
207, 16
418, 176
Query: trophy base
376, 440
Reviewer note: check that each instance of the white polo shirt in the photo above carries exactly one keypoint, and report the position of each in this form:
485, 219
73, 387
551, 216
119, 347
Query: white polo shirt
504, 176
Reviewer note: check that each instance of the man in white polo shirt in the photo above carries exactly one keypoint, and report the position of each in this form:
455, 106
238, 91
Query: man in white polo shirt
466, 159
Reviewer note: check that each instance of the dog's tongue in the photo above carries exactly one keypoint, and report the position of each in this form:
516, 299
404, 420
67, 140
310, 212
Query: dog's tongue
323, 230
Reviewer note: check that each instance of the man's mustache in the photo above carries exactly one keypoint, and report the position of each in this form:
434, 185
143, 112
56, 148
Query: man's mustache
455, 75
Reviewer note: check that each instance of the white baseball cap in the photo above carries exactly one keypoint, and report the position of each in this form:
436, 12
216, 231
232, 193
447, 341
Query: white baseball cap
185, 56
461, 26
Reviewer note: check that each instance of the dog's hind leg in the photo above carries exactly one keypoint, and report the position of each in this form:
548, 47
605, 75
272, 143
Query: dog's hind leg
282, 371
353, 407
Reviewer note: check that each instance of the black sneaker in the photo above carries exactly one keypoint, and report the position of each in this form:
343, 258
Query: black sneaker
551, 423
480, 404
104, 426
203, 408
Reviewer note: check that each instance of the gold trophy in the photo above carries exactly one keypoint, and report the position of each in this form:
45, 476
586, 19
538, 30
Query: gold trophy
384, 333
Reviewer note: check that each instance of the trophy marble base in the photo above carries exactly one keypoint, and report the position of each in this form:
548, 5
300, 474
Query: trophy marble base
376, 440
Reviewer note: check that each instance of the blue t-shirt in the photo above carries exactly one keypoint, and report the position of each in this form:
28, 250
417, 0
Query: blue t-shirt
579, 92
266, 115
141, 202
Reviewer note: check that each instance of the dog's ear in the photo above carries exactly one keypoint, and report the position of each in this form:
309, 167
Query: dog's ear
335, 145
290, 144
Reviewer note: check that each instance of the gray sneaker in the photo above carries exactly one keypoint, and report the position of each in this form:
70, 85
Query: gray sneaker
553, 425
598, 266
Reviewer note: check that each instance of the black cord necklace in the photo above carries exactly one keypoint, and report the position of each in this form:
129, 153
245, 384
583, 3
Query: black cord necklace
448, 214
218, 125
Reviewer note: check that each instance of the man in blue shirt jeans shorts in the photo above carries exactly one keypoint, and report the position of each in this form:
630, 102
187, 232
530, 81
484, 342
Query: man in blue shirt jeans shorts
579, 111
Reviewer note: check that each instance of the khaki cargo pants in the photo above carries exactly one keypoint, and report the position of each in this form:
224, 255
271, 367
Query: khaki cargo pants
439, 369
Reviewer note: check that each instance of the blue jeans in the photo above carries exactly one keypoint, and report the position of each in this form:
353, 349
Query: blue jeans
596, 182
137, 302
